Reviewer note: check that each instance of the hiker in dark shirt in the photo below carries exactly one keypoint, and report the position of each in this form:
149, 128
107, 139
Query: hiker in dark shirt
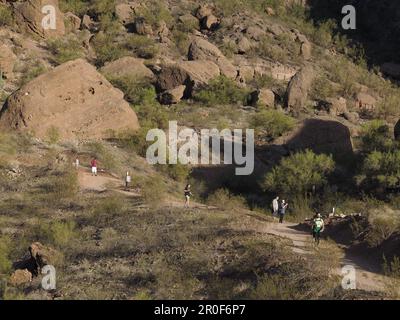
188, 194
282, 210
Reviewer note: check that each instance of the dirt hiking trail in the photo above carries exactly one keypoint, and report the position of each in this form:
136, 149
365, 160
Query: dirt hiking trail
366, 278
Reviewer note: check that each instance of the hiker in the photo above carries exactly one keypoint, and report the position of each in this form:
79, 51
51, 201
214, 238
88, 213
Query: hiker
93, 164
77, 163
188, 194
127, 180
317, 227
282, 210
275, 206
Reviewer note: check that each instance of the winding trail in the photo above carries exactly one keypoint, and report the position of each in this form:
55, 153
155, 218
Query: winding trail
367, 276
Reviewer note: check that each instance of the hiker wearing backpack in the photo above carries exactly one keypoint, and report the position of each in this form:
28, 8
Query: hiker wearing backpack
188, 194
282, 210
128, 180
317, 227
275, 206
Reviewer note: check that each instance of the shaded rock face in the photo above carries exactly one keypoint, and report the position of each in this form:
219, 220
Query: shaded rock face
29, 16
322, 136
298, 88
75, 99
191, 74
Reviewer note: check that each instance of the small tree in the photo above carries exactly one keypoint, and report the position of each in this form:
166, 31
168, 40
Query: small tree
299, 173
375, 136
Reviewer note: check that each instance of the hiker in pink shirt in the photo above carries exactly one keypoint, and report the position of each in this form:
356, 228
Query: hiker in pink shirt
93, 164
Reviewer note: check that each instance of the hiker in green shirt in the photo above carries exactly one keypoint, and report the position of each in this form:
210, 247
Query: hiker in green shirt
317, 227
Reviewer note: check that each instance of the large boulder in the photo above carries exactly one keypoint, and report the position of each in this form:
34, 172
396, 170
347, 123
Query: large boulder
173, 96
7, 61
75, 99
192, 74
201, 49
128, 66
322, 135
29, 17
263, 97
298, 88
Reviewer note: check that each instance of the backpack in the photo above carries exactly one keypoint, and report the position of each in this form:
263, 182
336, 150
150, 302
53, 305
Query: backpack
318, 223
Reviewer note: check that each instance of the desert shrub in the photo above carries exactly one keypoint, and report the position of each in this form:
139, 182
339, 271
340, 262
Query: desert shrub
221, 91
53, 135
225, 200
322, 88
5, 249
105, 156
381, 170
64, 186
375, 136
136, 91
107, 209
31, 72
154, 12
299, 173
57, 233
153, 191
6, 16
275, 287
78, 7
181, 38
107, 49
383, 223
65, 49
389, 105
179, 172
143, 46
323, 33
271, 123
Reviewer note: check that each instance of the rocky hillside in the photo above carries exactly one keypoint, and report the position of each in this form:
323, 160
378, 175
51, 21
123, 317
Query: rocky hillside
323, 103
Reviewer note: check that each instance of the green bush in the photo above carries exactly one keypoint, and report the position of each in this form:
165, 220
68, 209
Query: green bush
65, 185
271, 123
136, 91
153, 191
381, 170
65, 49
6, 16
299, 173
55, 233
5, 249
322, 88
179, 172
221, 91
78, 7
107, 49
375, 136
143, 46
31, 72
53, 135
383, 222
225, 200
